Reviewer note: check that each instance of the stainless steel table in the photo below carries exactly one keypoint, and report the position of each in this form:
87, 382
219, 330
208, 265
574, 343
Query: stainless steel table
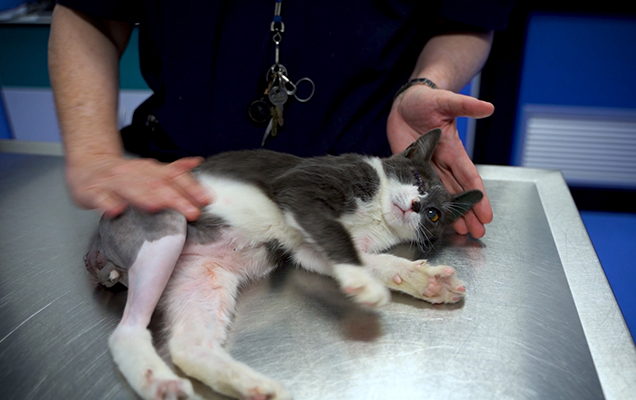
539, 320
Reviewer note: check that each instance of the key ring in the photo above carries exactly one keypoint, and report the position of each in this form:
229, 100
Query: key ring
275, 71
313, 89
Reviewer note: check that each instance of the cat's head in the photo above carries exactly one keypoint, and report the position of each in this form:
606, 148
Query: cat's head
417, 205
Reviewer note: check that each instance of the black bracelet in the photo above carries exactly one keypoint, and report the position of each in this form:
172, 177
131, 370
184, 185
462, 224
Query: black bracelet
416, 81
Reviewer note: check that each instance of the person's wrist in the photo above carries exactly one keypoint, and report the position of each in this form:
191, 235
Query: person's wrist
90, 161
437, 75
414, 82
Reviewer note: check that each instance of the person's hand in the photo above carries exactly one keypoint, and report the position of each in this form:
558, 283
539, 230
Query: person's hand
111, 184
420, 109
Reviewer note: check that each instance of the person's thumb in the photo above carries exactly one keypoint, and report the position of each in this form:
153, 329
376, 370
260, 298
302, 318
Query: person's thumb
458, 105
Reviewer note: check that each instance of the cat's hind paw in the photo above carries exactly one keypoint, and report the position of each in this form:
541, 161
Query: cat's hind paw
438, 284
363, 287
168, 389
144, 370
239, 381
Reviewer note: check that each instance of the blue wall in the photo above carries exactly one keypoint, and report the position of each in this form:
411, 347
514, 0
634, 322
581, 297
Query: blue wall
614, 238
587, 61
5, 131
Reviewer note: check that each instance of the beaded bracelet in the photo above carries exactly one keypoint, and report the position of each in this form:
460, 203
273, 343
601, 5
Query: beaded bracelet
416, 81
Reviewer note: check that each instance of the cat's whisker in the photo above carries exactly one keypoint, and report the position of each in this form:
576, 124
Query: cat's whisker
427, 243
455, 208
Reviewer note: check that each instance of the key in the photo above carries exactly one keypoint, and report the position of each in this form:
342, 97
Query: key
274, 123
278, 97
267, 131
277, 118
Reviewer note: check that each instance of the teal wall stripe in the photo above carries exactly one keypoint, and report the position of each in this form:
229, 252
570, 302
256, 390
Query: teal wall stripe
23, 55
129, 72
23, 58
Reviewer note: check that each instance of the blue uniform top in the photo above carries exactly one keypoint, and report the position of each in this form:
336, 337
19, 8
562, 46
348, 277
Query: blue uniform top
206, 61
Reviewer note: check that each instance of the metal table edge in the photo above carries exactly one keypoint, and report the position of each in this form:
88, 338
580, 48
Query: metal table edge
610, 342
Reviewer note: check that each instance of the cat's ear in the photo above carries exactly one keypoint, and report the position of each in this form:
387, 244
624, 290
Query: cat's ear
424, 146
462, 203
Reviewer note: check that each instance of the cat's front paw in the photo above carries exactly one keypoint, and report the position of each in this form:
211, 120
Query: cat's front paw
435, 284
363, 287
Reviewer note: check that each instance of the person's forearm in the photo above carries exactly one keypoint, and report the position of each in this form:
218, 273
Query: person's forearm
84, 72
451, 60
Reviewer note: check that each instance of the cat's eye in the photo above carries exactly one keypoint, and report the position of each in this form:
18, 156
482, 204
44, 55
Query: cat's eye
432, 214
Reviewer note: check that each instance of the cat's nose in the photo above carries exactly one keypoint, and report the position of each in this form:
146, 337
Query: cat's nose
416, 206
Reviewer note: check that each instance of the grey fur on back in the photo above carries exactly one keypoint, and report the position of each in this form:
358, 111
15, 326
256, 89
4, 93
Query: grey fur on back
335, 181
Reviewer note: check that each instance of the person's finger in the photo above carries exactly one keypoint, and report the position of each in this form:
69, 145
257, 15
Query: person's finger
156, 194
483, 210
468, 178
192, 190
457, 105
186, 184
462, 176
186, 208
474, 226
473, 221
460, 226
173, 199
108, 202
183, 165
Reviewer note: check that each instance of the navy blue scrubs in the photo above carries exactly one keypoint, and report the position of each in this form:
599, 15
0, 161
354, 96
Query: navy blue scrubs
206, 61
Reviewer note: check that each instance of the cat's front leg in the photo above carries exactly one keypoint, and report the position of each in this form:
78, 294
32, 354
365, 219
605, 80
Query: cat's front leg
355, 281
435, 284
329, 249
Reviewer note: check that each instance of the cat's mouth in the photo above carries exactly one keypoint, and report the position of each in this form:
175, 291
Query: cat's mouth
403, 208
404, 211
400, 209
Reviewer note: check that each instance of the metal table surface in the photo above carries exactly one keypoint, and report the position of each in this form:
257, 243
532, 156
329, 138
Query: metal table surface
539, 320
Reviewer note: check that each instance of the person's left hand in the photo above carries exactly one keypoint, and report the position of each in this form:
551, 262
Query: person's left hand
421, 109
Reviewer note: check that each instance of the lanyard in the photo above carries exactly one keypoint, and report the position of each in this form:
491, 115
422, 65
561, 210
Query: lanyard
280, 88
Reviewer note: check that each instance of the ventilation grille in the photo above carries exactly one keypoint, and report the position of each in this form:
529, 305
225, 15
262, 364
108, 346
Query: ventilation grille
590, 147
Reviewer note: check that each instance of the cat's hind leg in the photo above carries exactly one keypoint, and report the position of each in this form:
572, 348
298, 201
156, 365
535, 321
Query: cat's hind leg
199, 305
435, 284
131, 342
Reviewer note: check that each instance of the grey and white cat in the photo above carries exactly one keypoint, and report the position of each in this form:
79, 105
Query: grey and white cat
334, 215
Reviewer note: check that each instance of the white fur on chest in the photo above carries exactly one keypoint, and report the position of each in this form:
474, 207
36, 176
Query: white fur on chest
377, 225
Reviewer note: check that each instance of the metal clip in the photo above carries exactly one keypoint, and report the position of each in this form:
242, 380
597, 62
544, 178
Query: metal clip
289, 86
277, 24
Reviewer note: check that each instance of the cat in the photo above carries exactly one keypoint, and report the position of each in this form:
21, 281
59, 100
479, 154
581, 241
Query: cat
333, 215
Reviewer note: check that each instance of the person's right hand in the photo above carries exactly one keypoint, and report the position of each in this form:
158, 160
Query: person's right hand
111, 184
